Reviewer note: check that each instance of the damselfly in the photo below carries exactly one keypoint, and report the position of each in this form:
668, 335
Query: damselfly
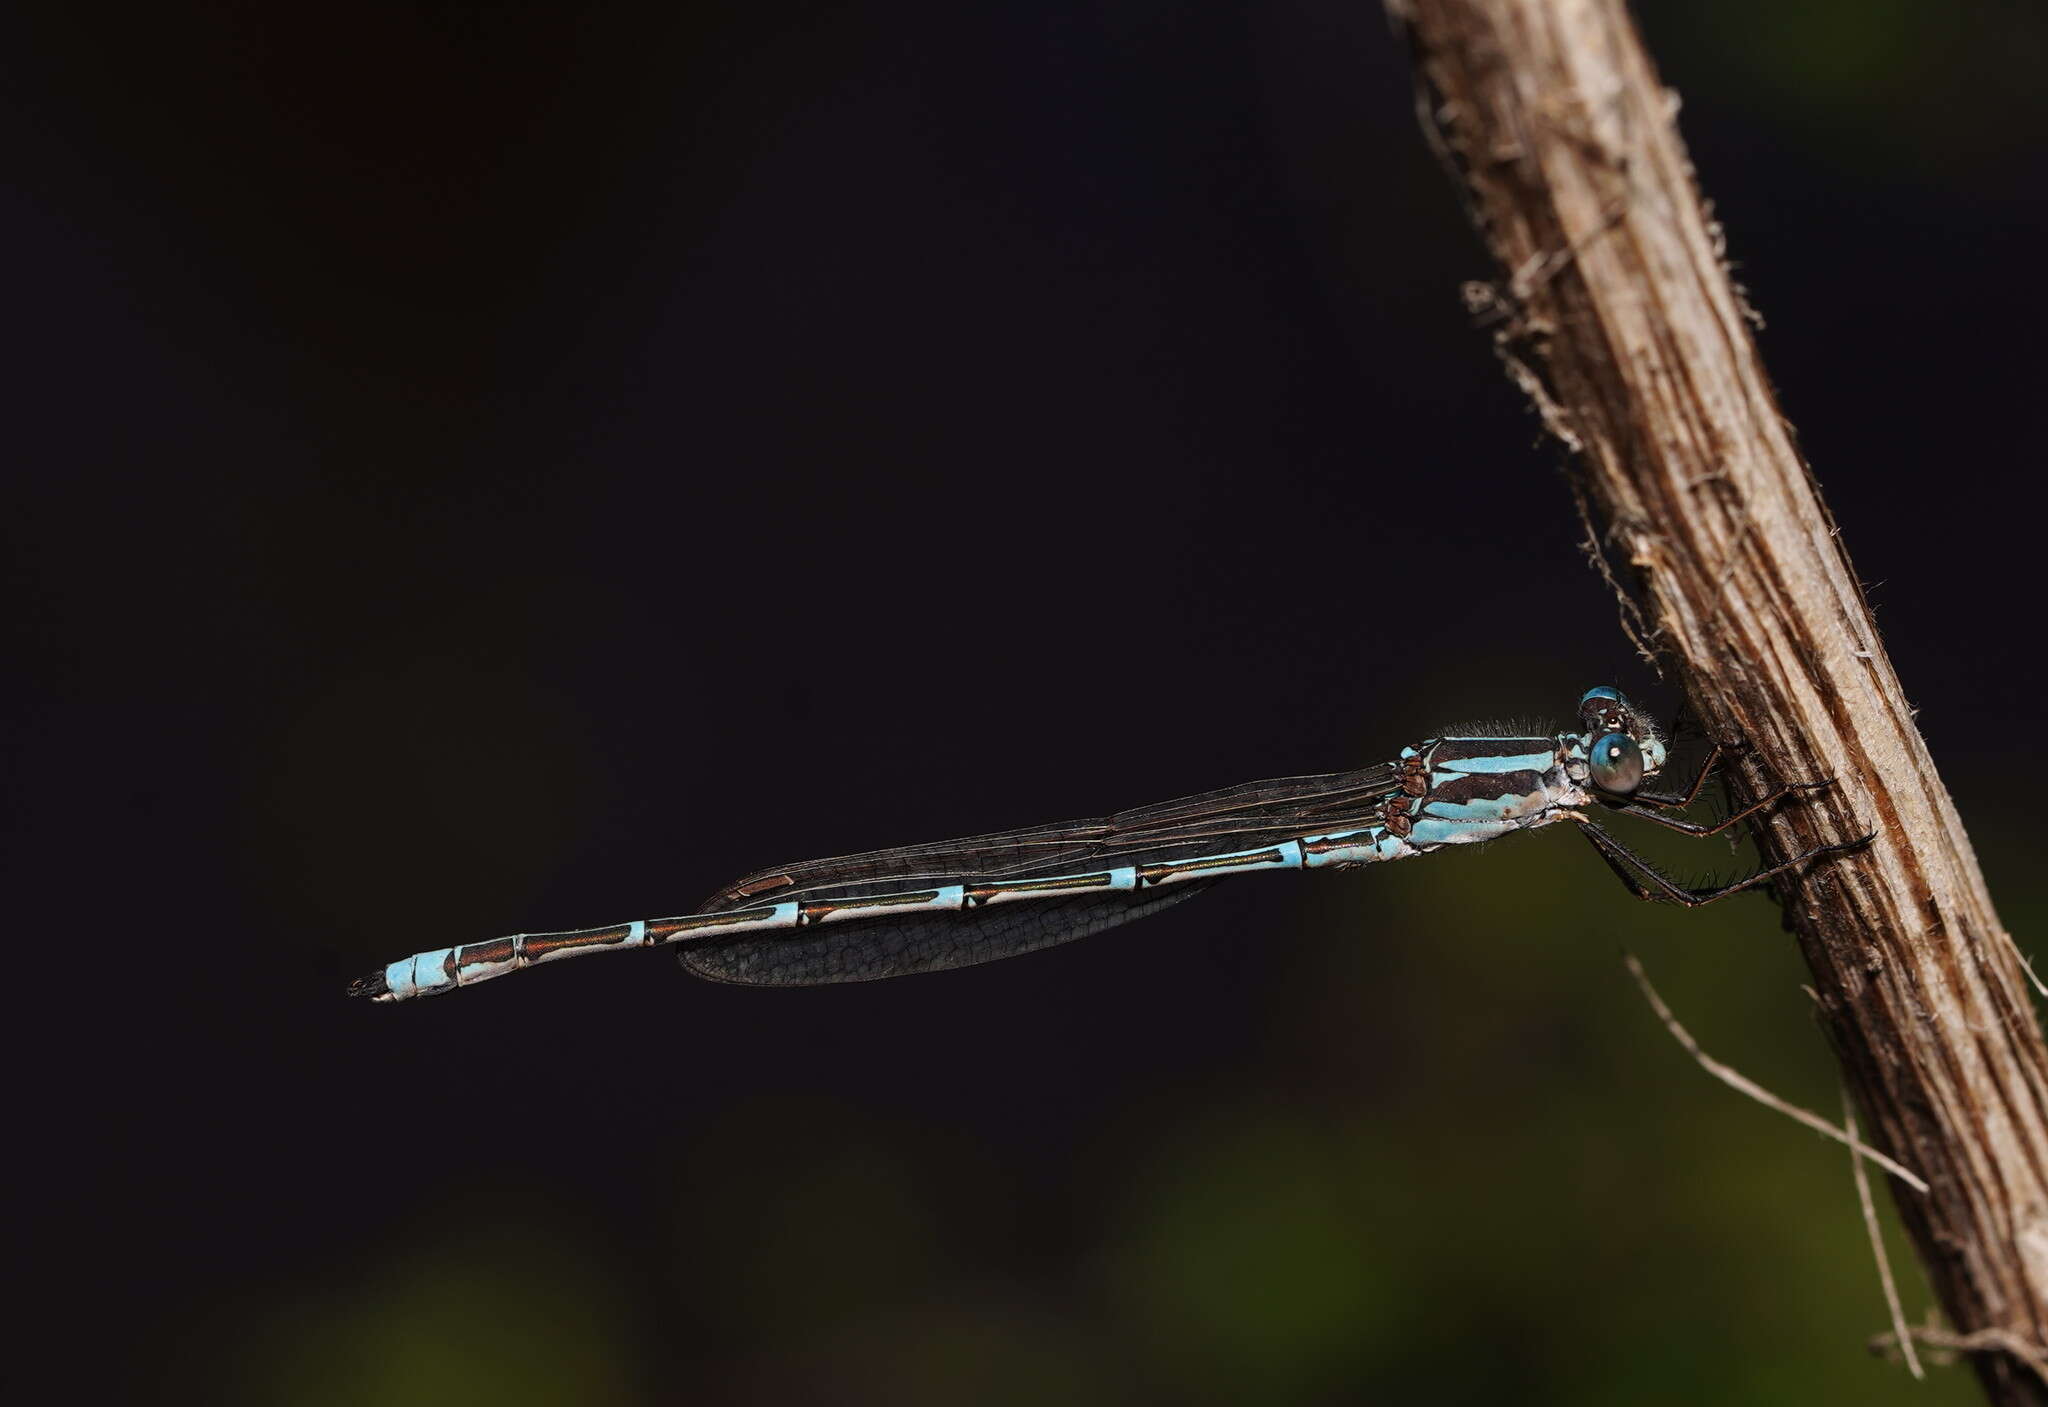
924, 908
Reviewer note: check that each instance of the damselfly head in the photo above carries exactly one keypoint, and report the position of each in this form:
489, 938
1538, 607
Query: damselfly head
1622, 747
1605, 709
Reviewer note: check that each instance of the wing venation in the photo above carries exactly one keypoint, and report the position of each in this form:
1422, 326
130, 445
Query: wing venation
1235, 818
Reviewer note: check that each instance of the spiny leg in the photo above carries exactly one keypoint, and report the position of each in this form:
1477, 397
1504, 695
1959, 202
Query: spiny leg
1626, 875
1646, 882
1682, 800
1673, 801
1693, 828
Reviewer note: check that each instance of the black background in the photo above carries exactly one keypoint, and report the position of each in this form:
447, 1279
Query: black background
482, 472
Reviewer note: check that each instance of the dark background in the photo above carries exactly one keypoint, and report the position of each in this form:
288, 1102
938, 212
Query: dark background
481, 472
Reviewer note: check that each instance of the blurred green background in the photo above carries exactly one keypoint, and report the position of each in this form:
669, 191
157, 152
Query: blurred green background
502, 470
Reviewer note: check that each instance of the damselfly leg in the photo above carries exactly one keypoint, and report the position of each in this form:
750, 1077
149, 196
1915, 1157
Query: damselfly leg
1694, 828
1648, 804
1679, 801
1647, 882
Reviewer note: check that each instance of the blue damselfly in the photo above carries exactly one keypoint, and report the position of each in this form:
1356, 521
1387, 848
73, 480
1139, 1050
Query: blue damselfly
924, 908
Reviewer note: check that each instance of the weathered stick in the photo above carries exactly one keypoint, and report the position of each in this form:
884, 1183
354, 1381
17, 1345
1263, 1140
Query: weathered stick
1616, 315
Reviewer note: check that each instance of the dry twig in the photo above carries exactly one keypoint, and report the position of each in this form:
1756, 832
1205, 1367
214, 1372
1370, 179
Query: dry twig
1742, 1084
1983, 1341
1884, 1262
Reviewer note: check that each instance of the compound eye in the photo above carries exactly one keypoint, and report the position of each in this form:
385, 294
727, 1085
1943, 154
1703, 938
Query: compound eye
1616, 763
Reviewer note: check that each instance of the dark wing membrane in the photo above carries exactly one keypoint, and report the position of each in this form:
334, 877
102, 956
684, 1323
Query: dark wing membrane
1236, 818
866, 952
